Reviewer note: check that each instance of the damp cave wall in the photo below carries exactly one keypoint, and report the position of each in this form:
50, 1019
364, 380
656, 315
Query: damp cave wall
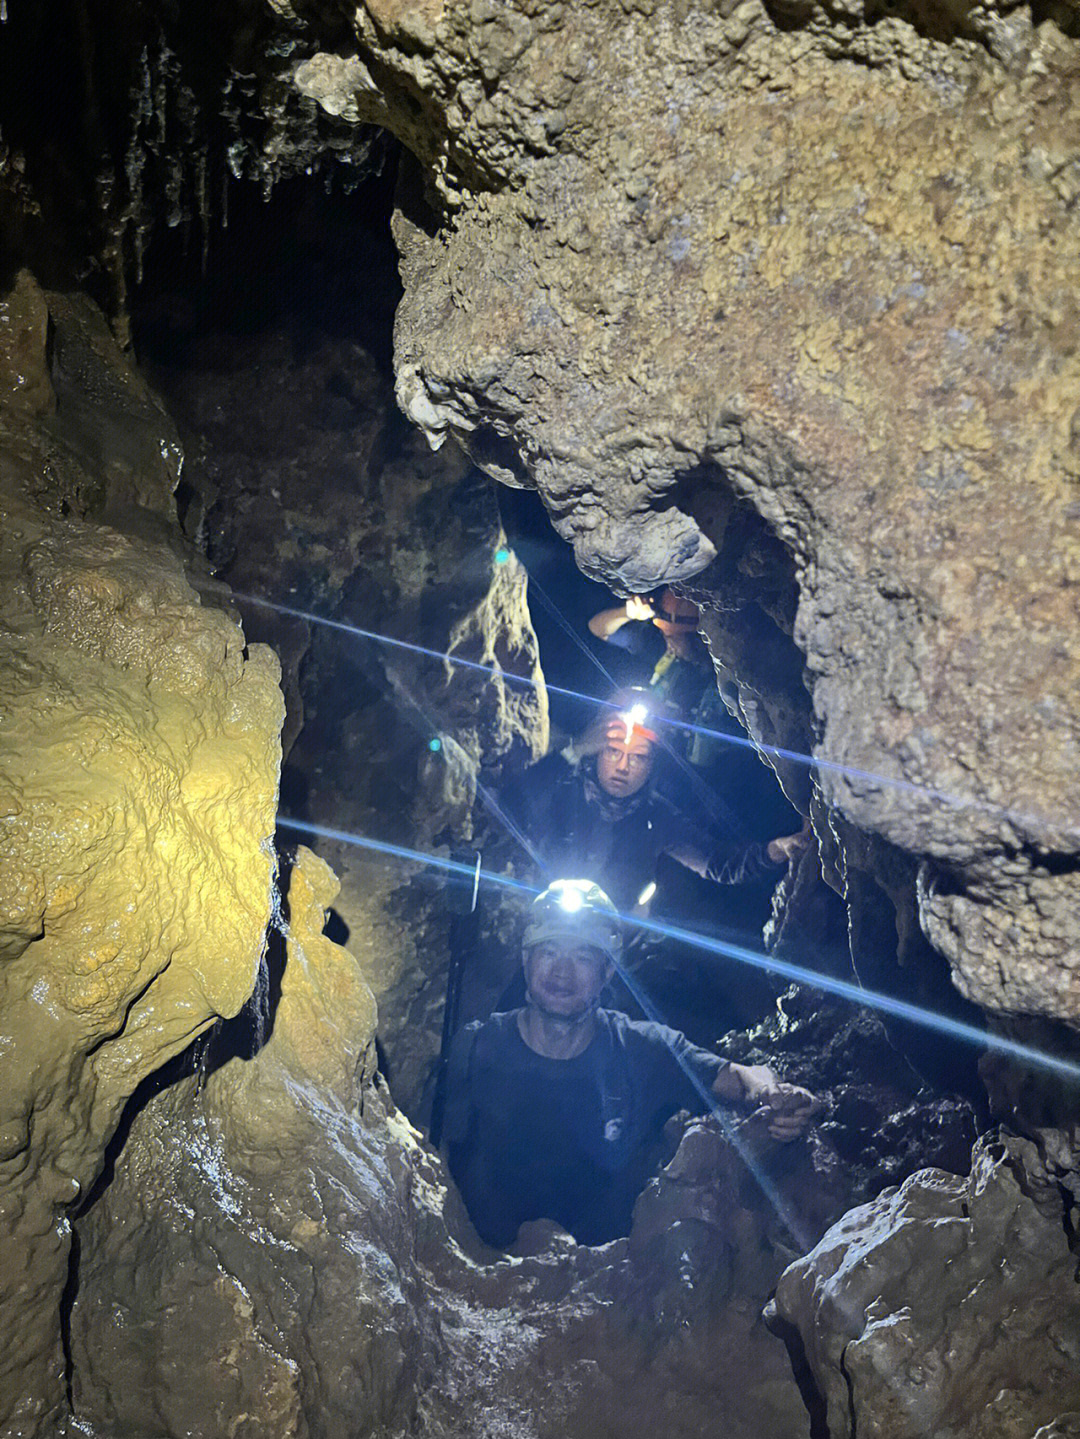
256, 1242
292, 347
891, 633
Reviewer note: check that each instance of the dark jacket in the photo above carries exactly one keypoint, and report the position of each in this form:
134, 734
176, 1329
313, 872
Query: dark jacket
566, 1139
579, 832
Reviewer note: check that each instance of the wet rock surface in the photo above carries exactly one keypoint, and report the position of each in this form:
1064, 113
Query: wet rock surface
774, 300
881, 1121
945, 1306
307, 489
276, 1251
140, 767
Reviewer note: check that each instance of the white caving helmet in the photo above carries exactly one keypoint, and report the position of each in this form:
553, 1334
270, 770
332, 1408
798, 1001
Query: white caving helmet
575, 909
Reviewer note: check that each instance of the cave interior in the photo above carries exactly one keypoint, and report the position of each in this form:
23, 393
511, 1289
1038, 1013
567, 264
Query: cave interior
332, 408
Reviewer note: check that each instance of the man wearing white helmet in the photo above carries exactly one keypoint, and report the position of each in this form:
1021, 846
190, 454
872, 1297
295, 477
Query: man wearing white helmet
554, 1109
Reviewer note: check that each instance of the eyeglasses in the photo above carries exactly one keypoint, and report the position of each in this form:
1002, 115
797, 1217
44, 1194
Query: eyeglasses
618, 752
674, 619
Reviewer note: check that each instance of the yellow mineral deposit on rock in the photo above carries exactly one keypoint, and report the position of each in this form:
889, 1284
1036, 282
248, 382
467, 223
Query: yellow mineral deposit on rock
139, 767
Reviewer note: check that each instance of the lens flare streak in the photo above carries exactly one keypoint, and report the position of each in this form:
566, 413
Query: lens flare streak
715, 1108
794, 973
1032, 822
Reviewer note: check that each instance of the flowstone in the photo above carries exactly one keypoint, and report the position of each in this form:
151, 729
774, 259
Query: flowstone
139, 772
276, 1253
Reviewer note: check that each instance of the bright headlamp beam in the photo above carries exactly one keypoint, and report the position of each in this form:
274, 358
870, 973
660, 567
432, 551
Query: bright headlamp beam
794, 973
399, 851
1028, 821
713, 1106
868, 998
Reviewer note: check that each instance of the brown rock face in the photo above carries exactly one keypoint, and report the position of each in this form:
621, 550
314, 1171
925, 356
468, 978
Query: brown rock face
308, 489
778, 301
140, 761
946, 1306
702, 258
276, 1254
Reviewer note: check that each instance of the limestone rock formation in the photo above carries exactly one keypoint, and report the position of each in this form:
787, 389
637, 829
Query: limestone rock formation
945, 1306
307, 489
276, 1254
140, 764
777, 299
685, 259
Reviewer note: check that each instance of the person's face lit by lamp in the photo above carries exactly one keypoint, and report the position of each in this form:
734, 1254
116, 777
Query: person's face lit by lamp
625, 762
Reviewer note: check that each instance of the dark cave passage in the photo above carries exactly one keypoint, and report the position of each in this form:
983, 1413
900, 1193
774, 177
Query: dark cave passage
277, 365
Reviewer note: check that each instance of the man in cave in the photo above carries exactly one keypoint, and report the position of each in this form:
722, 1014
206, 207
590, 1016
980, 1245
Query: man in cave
555, 1110
598, 813
665, 638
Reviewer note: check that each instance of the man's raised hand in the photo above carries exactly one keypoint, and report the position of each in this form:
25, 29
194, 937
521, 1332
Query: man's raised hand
639, 609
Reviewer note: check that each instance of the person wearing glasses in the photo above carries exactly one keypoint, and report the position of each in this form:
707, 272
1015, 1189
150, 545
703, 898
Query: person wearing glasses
597, 811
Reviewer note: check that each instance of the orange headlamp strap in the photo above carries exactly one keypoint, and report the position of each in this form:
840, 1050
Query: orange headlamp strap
628, 733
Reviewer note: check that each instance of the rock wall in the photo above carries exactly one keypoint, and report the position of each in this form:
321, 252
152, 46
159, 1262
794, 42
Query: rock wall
306, 488
140, 764
945, 1306
277, 1254
686, 259
775, 300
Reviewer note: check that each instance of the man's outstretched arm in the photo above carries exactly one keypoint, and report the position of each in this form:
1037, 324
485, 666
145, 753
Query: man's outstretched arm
730, 863
791, 1108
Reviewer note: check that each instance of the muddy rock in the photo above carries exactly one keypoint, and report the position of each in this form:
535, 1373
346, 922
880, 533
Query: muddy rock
140, 763
277, 1253
947, 1305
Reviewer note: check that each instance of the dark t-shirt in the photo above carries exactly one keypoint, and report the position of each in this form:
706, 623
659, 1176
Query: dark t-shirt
565, 1139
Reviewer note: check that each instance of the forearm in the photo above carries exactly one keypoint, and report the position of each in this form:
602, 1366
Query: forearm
690, 856
740, 1083
727, 864
741, 864
607, 622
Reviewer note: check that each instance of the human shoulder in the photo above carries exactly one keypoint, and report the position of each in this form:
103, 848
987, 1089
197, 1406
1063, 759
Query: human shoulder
649, 1037
553, 769
646, 1031
484, 1050
495, 1028
638, 637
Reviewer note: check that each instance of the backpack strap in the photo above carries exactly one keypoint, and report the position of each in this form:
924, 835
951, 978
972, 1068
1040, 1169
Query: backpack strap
458, 1072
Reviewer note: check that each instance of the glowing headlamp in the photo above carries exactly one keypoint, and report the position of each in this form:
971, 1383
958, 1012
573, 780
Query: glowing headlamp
633, 721
571, 899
